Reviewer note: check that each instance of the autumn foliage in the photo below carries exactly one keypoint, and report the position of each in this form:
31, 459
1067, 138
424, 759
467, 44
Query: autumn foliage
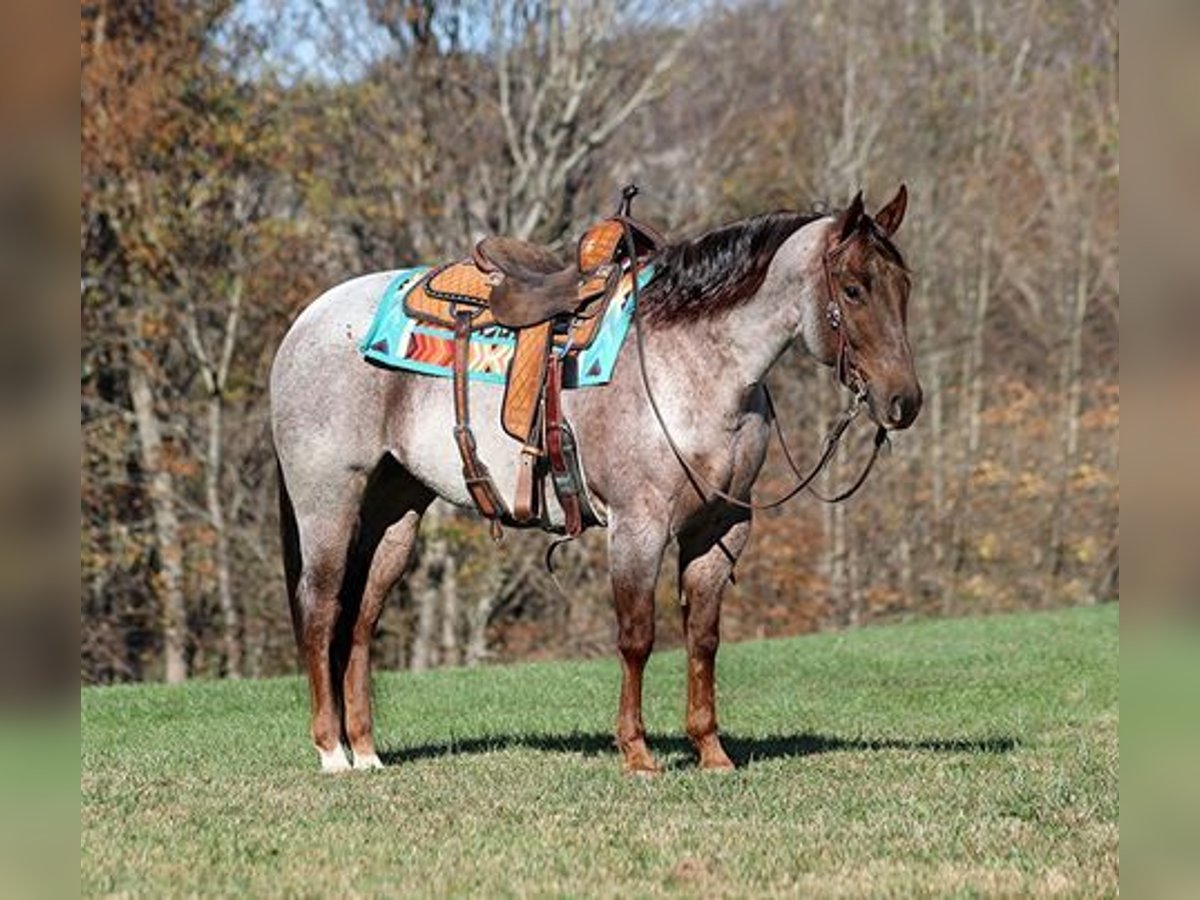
239, 158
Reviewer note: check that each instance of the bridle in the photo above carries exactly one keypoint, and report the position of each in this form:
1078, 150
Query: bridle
848, 375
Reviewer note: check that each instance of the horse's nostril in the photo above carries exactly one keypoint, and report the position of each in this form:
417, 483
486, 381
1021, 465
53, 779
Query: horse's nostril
896, 410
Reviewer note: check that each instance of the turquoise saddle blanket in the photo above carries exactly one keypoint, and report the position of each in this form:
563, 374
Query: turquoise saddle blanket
399, 342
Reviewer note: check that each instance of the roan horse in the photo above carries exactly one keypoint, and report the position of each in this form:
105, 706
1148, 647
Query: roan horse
363, 451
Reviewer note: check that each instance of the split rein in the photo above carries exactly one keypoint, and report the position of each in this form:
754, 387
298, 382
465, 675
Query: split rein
846, 375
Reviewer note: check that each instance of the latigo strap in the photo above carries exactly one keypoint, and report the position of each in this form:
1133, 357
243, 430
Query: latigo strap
476, 475
565, 485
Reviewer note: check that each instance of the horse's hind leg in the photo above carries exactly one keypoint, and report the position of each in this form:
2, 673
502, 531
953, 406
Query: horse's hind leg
324, 541
397, 507
319, 510
635, 554
706, 558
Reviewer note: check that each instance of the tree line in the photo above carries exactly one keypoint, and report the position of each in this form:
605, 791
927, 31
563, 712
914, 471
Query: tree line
237, 159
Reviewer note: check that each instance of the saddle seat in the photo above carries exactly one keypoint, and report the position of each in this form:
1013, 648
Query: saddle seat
516, 258
554, 308
533, 285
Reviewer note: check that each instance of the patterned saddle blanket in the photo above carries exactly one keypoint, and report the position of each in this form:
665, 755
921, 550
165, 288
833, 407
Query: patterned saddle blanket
397, 340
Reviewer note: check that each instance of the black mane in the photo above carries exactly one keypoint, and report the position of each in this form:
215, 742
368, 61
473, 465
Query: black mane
718, 270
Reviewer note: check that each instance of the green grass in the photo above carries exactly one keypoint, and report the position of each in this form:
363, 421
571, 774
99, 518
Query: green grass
963, 756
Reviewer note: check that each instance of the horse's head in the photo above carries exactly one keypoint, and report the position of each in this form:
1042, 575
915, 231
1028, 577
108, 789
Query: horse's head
867, 312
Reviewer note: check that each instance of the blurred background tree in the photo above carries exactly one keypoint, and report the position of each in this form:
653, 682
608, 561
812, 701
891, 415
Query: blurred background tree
239, 157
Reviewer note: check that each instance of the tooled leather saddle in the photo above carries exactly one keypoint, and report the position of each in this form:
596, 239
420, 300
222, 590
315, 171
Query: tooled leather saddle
554, 309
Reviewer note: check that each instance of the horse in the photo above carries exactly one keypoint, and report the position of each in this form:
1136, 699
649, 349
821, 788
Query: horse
362, 451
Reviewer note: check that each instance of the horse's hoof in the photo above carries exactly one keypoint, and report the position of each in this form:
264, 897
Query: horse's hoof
712, 755
636, 758
641, 765
641, 771
335, 760
367, 761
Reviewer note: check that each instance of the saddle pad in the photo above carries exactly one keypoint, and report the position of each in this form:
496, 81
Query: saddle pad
398, 341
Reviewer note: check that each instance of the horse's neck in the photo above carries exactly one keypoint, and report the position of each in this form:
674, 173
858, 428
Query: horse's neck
788, 307
707, 370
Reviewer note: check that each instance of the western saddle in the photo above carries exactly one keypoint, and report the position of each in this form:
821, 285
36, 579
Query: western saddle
554, 309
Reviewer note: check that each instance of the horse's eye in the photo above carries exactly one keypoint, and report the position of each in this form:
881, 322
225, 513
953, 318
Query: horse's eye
852, 292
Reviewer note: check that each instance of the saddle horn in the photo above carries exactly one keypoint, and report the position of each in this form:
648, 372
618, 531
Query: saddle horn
625, 207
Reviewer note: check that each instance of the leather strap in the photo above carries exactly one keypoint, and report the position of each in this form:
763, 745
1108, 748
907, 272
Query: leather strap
564, 484
476, 475
525, 504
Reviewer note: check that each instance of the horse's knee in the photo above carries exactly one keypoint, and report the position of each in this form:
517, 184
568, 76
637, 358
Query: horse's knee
704, 645
635, 640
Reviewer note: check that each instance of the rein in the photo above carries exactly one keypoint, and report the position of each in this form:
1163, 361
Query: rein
847, 374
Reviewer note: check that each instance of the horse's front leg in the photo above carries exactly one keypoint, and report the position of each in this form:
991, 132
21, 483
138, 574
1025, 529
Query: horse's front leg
706, 558
635, 552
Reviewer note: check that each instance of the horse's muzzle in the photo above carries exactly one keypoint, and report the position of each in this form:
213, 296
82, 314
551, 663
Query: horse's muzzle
895, 409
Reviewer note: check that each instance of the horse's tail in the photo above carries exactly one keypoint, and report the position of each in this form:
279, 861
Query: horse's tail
289, 534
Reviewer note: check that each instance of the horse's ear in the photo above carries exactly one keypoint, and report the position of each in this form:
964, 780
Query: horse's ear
890, 217
850, 218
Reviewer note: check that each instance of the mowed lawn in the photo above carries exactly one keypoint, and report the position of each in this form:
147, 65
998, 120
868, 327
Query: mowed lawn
975, 755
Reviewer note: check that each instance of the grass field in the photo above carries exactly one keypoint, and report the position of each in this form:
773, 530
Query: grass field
976, 755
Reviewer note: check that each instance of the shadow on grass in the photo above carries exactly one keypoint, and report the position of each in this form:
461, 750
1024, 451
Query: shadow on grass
743, 751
